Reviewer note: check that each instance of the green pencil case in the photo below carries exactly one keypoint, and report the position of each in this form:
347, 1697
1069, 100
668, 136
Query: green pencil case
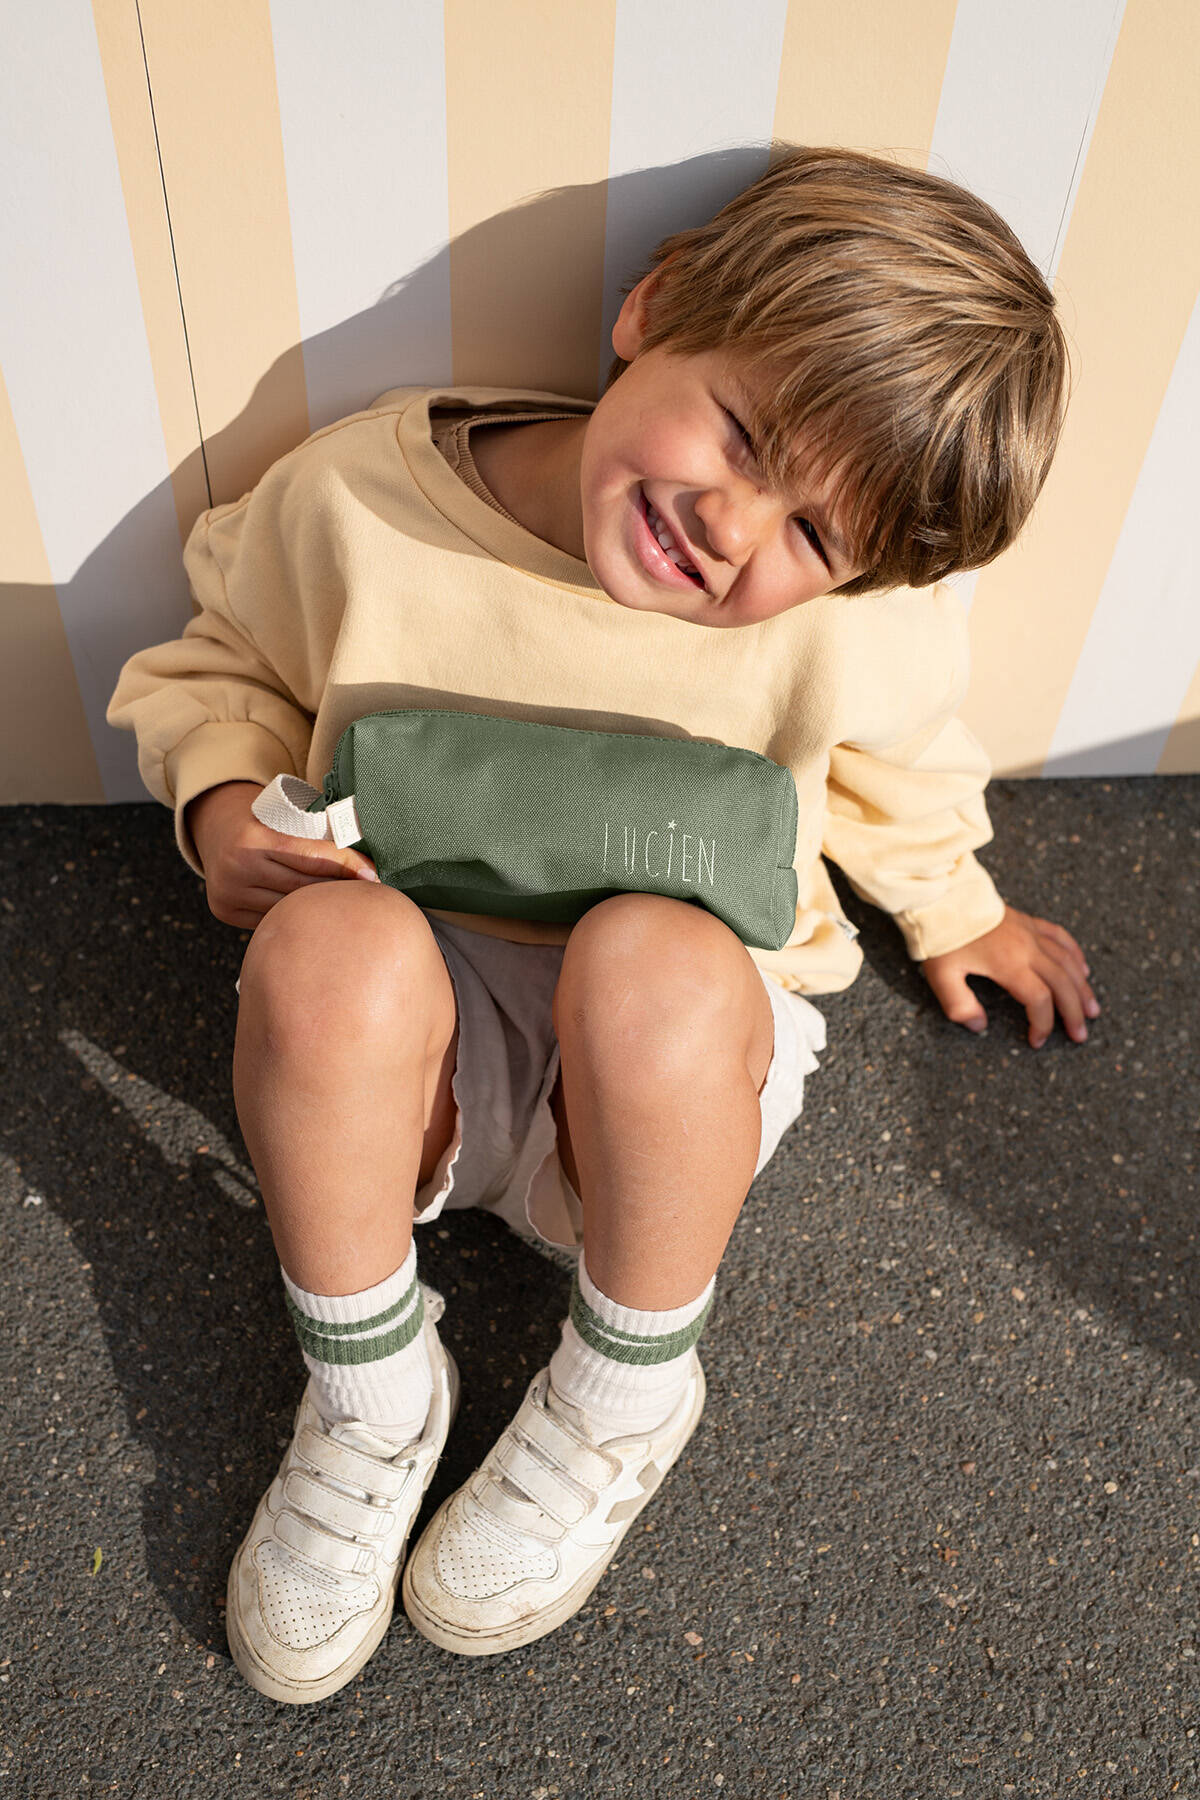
518, 819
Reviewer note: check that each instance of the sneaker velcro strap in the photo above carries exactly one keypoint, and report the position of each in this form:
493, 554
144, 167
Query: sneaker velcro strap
352, 1466
338, 1510
548, 1487
491, 1503
318, 1546
562, 1446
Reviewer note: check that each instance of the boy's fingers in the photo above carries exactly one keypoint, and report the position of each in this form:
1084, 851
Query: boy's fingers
1037, 997
957, 999
1053, 988
1072, 995
256, 904
253, 904
345, 873
1063, 938
1070, 1007
319, 859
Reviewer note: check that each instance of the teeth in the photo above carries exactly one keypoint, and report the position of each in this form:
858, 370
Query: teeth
659, 529
669, 546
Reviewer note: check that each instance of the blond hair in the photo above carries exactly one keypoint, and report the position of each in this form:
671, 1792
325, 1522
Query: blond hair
908, 347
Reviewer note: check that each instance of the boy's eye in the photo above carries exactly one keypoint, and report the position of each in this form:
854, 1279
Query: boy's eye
813, 536
807, 528
747, 440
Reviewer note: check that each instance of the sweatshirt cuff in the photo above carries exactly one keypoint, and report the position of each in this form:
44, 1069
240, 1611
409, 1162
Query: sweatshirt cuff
219, 750
972, 906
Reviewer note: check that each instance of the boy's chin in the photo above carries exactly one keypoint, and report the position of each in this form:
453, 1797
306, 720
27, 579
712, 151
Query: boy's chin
675, 606
623, 586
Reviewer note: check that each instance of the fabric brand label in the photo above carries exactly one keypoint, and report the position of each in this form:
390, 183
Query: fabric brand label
678, 850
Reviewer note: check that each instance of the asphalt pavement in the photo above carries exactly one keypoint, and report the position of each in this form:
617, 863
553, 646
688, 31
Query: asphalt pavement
938, 1532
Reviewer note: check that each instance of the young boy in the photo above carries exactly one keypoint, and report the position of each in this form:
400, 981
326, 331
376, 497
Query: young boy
846, 386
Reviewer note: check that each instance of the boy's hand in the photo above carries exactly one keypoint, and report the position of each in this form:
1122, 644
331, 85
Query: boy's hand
248, 867
1040, 964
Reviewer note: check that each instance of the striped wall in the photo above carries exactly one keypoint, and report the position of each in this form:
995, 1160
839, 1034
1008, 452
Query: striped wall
224, 226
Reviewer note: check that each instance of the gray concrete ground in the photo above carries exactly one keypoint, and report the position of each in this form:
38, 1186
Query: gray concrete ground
937, 1533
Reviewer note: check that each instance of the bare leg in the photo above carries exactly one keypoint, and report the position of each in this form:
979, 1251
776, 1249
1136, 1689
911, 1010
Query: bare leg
666, 1035
346, 1039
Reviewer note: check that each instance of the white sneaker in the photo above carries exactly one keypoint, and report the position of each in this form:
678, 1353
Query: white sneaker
313, 1584
519, 1548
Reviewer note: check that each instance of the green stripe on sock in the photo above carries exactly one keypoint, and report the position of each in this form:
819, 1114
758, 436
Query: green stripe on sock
625, 1346
333, 1328
322, 1339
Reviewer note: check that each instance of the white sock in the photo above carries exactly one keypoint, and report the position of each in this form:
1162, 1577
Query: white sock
366, 1352
625, 1369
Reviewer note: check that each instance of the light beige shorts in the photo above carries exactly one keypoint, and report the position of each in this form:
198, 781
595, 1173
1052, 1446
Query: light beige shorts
503, 1156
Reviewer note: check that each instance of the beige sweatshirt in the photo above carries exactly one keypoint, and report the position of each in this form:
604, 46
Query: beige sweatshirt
363, 572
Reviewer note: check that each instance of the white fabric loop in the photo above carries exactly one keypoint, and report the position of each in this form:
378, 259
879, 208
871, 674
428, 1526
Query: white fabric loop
283, 806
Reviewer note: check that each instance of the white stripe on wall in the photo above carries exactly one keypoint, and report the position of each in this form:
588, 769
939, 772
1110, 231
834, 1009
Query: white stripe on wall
1019, 100
78, 369
1143, 645
362, 105
693, 106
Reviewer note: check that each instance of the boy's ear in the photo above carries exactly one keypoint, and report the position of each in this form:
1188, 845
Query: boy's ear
632, 320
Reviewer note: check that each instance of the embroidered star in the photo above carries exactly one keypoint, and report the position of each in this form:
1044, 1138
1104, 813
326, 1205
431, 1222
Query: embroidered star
671, 826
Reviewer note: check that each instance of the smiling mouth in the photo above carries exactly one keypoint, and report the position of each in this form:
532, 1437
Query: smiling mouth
666, 543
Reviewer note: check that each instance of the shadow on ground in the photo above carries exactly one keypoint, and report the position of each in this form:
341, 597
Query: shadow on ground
937, 1520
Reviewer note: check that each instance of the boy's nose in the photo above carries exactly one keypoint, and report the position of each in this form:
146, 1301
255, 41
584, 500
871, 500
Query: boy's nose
735, 519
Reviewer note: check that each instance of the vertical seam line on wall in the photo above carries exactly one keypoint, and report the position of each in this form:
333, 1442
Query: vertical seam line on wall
187, 348
1062, 217
1114, 31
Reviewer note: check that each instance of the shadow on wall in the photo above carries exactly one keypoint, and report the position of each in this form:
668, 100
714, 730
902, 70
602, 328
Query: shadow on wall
1139, 754
534, 294
529, 309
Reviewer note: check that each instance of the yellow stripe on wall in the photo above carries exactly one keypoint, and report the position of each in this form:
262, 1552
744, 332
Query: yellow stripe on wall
48, 747
1128, 280
132, 122
212, 74
528, 95
1181, 752
864, 76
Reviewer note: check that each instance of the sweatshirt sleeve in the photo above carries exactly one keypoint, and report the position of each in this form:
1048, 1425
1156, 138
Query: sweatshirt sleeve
212, 705
903, 822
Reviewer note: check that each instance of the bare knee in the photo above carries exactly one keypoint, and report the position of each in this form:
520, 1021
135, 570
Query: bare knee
649, 973
337, 961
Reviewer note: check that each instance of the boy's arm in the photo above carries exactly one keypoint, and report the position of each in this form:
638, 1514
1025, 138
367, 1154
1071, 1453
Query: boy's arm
213, 706
223, 709
903, 822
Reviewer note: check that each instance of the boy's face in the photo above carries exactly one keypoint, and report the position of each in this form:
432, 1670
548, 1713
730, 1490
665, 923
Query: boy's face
663, 455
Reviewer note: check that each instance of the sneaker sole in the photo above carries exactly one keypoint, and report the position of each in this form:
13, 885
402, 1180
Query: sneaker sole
548, 1618
301, 1693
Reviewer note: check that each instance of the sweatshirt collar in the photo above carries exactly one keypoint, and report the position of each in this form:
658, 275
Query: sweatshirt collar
502, 538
